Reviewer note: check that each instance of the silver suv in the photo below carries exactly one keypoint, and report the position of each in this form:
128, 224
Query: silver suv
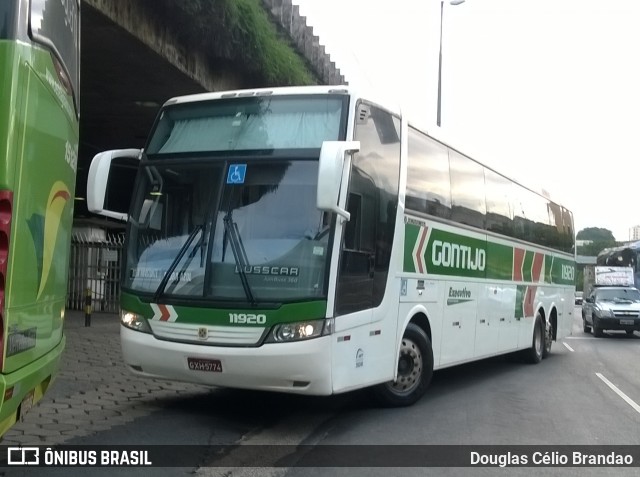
611, 308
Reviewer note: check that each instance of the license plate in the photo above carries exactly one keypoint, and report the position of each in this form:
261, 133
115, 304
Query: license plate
626, 322
208, 365
27, 403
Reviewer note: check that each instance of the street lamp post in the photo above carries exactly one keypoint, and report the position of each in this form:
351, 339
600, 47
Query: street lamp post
439, 107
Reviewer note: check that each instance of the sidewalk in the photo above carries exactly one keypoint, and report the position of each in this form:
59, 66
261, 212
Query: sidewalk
93, 391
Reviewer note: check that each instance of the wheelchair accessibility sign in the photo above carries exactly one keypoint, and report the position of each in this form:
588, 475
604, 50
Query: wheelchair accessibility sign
236, 173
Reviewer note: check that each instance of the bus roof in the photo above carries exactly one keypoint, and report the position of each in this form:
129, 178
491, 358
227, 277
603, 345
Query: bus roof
375, 96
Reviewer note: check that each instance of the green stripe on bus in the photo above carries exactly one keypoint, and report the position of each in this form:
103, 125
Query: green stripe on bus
526, 265
411, 233
499, 261
452, 254
563, 271
287, 313
456, 255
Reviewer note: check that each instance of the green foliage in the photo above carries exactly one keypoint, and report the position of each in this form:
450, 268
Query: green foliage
280, 63
235, 32
594, 248
600, 239
596, 234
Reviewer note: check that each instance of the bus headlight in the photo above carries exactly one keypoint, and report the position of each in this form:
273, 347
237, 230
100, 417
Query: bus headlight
301, 330
134, 321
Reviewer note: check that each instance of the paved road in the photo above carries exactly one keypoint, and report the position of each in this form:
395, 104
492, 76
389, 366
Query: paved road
499, 401
93, 391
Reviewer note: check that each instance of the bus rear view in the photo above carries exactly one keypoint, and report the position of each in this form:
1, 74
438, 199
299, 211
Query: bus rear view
39, 111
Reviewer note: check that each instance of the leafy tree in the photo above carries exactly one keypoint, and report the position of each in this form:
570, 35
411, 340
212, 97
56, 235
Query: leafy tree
600, 239
596, 234
594, 248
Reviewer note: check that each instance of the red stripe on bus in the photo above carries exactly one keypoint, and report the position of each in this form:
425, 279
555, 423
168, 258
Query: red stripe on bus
518, 260
536, 268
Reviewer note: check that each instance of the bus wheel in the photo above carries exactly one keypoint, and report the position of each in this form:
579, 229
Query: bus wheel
533, 355
415, 368
548, 340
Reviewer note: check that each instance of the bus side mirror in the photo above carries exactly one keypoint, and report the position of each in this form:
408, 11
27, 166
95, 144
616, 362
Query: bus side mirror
333, 167
110, 182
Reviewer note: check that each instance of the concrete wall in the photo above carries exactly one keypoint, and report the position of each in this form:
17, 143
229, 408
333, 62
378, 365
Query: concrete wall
132, 17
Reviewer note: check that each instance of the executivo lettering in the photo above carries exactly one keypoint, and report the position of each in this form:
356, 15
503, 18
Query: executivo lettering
458, 296
453, 255
457, 293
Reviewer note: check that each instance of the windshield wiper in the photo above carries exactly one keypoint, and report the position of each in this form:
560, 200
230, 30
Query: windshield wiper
176, 261
239, 254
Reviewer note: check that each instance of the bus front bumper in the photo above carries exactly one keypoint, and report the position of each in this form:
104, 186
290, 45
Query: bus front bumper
302, 367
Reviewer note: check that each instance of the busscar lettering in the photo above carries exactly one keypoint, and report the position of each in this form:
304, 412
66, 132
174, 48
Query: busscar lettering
270, 270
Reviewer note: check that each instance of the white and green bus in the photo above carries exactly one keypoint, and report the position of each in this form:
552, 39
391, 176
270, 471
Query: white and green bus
310, 240
39, 128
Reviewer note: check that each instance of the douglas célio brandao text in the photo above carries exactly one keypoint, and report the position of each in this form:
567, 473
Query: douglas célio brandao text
550, 458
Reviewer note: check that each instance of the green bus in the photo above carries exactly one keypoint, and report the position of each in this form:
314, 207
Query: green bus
39, 115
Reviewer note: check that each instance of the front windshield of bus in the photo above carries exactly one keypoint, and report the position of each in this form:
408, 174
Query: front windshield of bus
234, 225
262, 240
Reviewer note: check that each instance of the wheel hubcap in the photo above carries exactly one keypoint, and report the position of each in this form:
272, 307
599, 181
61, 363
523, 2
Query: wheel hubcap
549, 337
538, 340
409, 368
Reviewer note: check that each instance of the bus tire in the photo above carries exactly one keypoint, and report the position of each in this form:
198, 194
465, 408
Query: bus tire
533, 355
548, 340
415, 369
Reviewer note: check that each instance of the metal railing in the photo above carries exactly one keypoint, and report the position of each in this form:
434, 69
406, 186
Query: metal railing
94, 269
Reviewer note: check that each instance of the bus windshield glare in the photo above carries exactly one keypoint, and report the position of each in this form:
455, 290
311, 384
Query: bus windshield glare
223, 228
248, 124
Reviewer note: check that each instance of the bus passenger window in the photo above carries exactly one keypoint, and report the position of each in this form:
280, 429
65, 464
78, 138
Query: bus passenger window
428, 185
467, 191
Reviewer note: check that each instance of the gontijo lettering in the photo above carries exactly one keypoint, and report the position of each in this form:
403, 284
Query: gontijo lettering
454, 255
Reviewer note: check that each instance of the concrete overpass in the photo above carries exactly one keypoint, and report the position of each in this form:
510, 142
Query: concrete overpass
136, 54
